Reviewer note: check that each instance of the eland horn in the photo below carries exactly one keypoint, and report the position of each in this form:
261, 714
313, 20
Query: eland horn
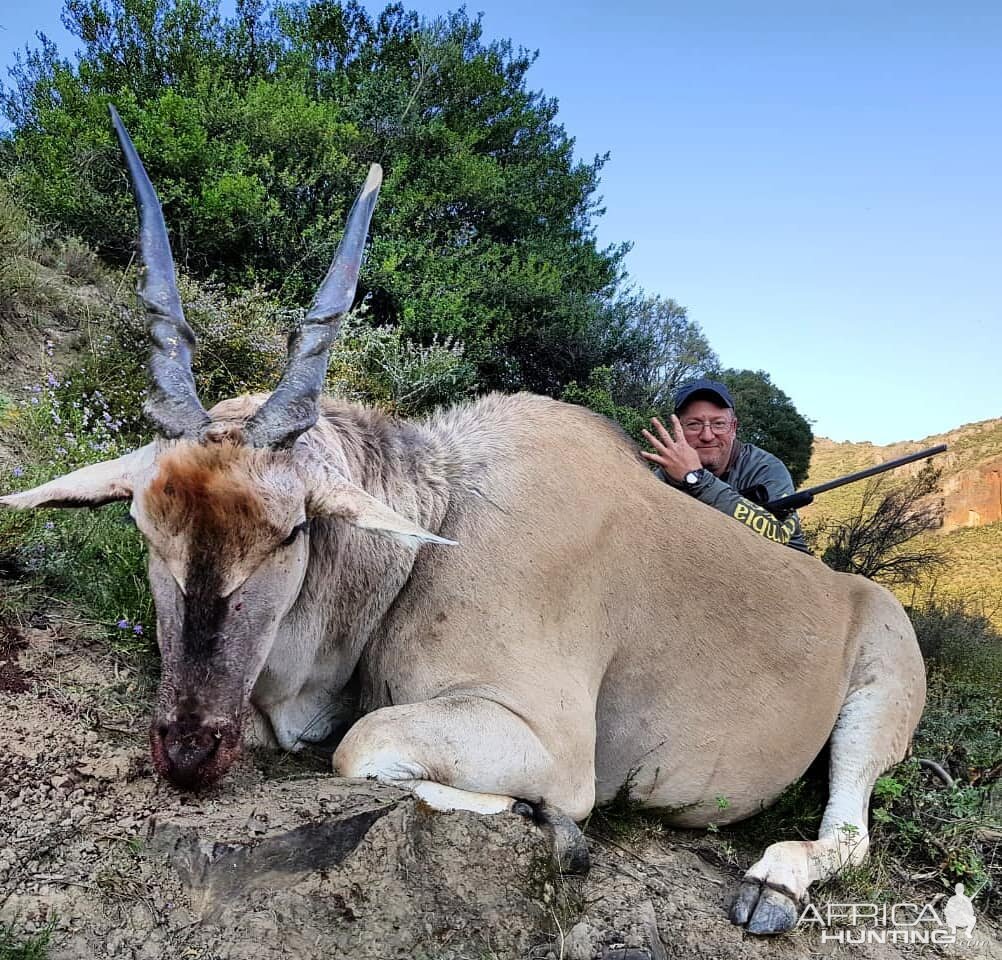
172, 404
292, 408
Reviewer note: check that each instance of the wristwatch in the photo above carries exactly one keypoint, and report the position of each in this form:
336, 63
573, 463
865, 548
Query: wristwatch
693, 478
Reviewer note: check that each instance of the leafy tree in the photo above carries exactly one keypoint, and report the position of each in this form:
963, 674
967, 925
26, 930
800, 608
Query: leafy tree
257, 131
768, 418
872, 542
669, 349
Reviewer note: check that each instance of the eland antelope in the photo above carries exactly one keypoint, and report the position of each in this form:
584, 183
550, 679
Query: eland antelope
520, 612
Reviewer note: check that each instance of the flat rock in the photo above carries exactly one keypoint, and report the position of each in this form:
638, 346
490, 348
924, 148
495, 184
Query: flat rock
368, 870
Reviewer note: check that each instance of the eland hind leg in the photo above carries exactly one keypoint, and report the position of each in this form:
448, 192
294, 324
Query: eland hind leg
881, 709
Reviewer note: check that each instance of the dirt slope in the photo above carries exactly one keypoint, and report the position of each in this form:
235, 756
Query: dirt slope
284, 860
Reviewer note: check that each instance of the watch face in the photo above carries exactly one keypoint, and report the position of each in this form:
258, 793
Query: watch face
692, 477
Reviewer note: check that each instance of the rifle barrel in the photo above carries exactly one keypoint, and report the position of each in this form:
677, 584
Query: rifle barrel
803, 497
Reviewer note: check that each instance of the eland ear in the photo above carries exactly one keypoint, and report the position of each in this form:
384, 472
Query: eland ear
350, 503
92, 486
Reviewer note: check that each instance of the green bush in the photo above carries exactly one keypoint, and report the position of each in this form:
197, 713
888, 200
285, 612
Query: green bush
15, 945
76, 260
379, 365
21, 243
957, 636
92, 558
931, 826
257, 133
241, 346
93, 412
962, 723
598, 394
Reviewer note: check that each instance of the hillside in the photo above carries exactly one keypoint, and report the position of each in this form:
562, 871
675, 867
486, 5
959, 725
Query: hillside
972, 500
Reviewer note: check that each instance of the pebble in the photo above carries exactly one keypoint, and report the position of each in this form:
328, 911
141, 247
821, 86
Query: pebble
114, 943
151, 950
578, 944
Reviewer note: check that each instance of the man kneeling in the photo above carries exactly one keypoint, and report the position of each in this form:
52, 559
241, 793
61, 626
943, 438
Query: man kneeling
707, 461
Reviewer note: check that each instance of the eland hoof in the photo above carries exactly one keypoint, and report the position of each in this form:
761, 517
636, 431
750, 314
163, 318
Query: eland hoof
764, 910
570, 849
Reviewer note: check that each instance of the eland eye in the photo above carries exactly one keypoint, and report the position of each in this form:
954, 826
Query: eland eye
293, 533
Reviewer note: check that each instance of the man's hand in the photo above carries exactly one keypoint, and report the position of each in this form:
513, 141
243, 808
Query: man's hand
675, 457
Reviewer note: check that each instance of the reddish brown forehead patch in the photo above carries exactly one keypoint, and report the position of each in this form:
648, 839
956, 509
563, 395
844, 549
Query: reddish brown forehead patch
212, 491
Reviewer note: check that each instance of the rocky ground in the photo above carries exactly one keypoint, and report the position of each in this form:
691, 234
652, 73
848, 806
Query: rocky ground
285, 861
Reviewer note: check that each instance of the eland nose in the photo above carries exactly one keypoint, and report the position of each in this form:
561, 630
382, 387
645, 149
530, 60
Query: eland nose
188, 747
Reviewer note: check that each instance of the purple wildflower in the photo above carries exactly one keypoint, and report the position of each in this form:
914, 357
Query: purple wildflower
123, 624
138, 629
18, 471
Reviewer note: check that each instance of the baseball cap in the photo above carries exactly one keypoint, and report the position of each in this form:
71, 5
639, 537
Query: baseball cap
716, 391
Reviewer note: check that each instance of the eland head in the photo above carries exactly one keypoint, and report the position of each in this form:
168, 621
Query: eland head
224, 500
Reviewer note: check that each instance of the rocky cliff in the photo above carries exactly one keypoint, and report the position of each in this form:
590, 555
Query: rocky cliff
973, 496
971, 472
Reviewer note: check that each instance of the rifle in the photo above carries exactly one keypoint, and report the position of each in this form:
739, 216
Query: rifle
786, 505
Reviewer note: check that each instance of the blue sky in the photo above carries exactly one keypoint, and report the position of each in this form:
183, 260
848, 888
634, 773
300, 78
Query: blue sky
818, 183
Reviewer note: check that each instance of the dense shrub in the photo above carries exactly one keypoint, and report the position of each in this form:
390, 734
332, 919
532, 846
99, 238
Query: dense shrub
93, 411
21, 243
378, 365
257, 131
600, 393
